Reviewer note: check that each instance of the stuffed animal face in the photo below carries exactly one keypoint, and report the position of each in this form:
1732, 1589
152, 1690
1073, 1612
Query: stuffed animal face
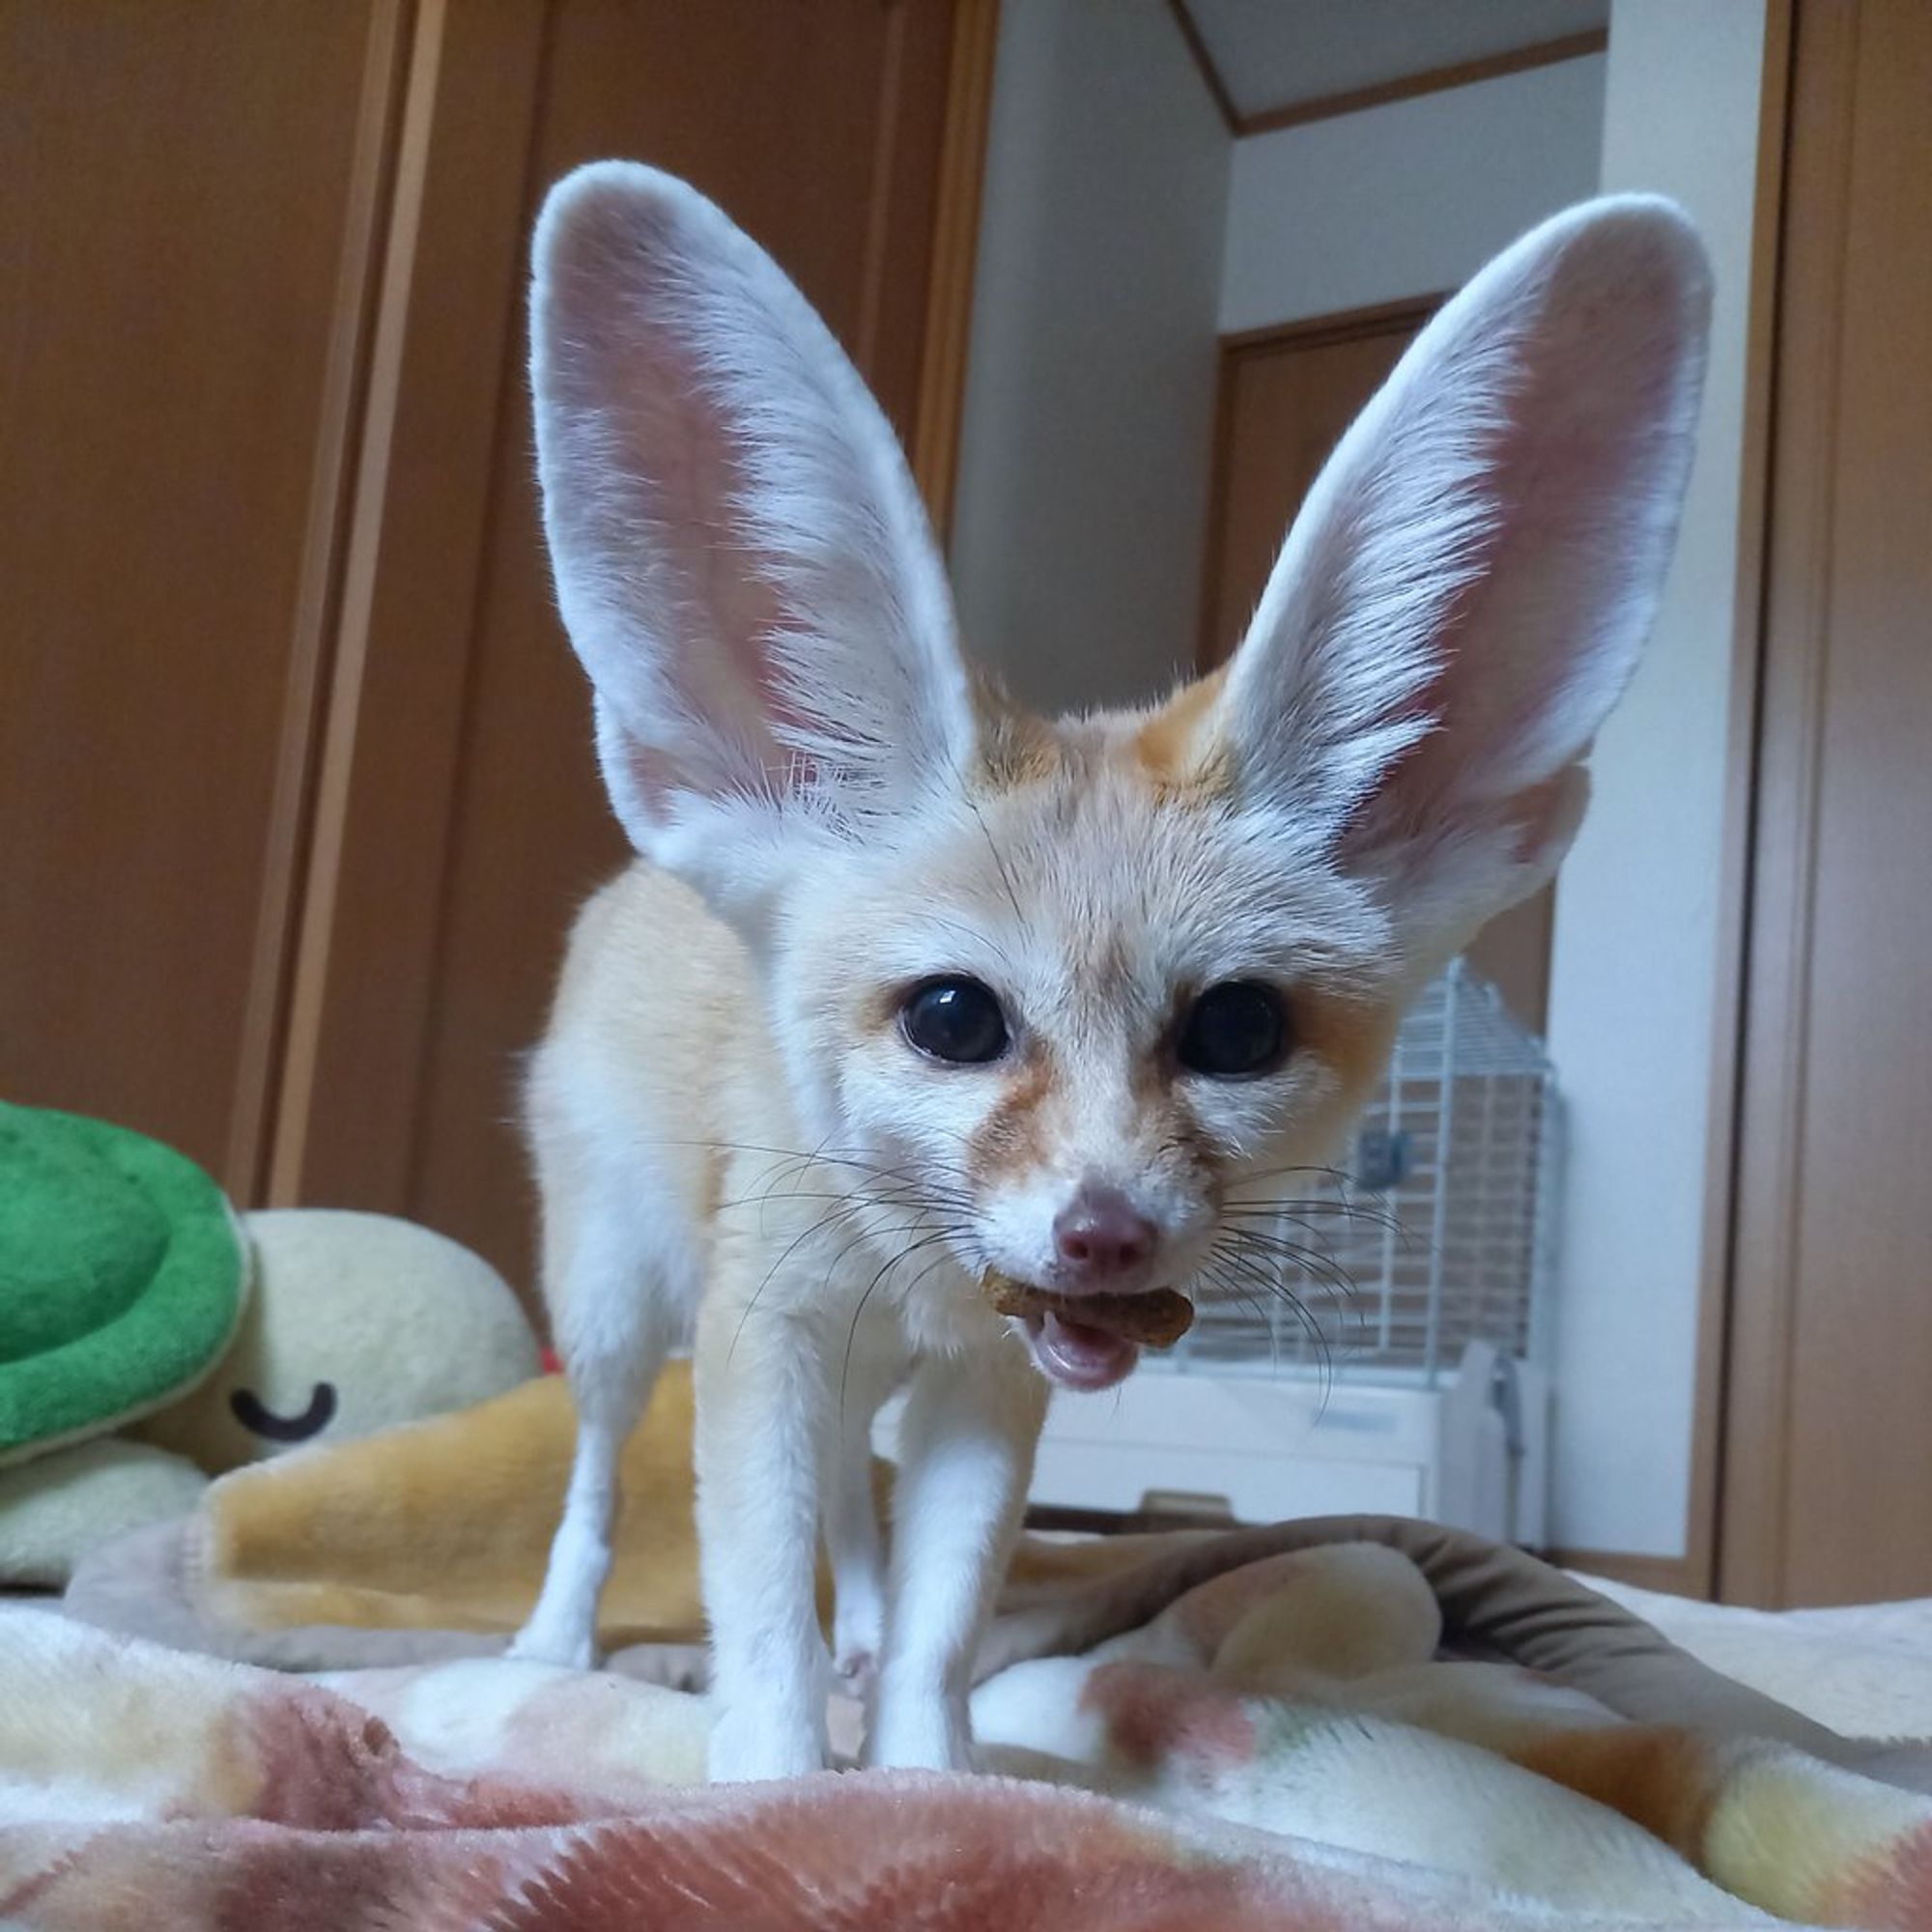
356, 1322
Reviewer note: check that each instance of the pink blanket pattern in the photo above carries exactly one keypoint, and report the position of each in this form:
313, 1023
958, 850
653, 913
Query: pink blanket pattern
1233, 1780
175, 1791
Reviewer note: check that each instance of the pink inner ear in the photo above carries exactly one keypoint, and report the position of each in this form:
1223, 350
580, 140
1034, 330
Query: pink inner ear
696, 497
1535, 644
741, 558
670, 510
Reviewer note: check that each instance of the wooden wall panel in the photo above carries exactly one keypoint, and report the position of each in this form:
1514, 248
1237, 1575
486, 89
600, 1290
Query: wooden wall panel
472, 822
1285, 397
364, 982
190, 200
1828, 1453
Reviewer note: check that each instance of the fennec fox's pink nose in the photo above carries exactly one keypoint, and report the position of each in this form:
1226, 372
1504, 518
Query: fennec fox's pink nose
1100, 1239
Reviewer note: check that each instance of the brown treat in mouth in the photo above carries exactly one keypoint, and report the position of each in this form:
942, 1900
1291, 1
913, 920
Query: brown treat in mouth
1156, 1318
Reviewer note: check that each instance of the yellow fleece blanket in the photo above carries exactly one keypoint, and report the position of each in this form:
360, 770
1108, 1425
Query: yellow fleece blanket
446, 1524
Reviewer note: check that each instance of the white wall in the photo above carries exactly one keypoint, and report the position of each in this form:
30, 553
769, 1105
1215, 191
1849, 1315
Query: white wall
1637, 961
1077, 545
1413, 197
1089, 412
1407, 199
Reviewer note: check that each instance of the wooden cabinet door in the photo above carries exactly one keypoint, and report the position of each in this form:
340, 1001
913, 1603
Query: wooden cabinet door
1828, 1467
1287, 395
1284, 398
189, 198
461, 821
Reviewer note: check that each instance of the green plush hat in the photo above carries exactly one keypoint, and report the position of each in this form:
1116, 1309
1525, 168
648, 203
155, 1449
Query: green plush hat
122, 1278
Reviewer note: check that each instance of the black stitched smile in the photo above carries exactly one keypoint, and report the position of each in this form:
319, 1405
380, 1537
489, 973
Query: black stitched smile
254, 1415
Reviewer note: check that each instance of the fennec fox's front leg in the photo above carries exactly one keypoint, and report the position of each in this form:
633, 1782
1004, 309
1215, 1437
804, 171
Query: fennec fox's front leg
619, 1281
764, 1403
850, 1516
764, 1412
966, 1457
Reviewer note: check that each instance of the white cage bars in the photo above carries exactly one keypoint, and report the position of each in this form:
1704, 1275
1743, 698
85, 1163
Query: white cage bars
1441, 1234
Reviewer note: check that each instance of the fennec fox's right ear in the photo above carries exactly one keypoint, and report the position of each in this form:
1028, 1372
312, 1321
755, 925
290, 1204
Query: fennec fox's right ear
741, 556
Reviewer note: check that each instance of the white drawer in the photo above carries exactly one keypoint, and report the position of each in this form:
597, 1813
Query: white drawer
1257, 1488
1269, 1447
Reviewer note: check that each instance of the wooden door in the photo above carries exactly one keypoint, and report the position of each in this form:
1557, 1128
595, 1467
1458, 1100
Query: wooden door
1826, 1489
189, 202
460, 820
1285, 397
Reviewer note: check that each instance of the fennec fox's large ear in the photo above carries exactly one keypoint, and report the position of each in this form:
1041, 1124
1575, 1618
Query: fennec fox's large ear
1467, 587
741, 558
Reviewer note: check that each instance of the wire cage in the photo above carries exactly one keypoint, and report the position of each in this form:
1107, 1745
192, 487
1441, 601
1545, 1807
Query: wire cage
1439, 1232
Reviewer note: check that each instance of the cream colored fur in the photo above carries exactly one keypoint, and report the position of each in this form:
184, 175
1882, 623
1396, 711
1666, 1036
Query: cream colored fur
735, 1138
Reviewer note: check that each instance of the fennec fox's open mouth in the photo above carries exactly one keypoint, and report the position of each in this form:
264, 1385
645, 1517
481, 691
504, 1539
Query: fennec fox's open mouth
1090, 1341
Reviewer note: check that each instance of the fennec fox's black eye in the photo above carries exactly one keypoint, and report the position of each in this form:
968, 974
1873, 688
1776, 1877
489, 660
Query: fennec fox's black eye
957, 1020
1234, 1031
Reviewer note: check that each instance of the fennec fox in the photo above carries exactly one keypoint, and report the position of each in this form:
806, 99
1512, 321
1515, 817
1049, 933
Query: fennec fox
911, 992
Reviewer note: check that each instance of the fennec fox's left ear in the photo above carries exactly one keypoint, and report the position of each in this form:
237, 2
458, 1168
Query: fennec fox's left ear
742, 559
1467, 587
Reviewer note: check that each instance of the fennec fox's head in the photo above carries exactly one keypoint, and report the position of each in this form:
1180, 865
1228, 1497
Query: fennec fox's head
1070, 994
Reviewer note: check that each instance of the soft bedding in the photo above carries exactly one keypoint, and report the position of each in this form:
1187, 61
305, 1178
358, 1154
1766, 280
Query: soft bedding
1864, 1670
1355, 1724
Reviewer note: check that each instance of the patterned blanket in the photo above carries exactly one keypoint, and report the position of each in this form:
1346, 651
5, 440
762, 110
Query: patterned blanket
1281, 1745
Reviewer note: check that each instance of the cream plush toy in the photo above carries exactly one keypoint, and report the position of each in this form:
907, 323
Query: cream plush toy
151, 1338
